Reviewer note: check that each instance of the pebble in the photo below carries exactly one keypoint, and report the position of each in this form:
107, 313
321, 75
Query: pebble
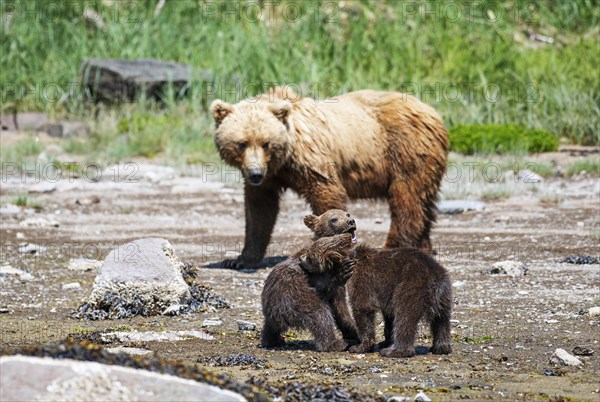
398, 398
245, 325
512, 268
211, 323
29, 248
421, 397
72, 286
84, 264
39, 222
4, 311
8, 270
593, 312
561, 356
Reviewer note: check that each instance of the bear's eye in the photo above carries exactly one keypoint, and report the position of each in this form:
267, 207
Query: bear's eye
348, 215
265, 146
333, 220
243, 145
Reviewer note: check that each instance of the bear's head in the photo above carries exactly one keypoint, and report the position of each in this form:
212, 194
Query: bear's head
326, 252
331, 223
254, 136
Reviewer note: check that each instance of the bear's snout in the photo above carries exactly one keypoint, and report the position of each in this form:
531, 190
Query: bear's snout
255, 176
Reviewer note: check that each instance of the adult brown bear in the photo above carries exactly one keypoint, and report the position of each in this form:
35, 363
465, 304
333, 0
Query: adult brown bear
364, 144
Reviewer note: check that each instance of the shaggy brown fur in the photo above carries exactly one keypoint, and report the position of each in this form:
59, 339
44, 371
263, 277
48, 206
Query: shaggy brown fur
364, 144
290, 300
406, 285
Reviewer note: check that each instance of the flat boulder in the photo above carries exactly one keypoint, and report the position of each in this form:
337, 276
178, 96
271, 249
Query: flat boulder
143, 277
45, 379
126, 80
454, 207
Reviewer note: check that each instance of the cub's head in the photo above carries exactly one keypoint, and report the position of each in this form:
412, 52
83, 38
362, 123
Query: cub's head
331, 223
326, 252
254, 136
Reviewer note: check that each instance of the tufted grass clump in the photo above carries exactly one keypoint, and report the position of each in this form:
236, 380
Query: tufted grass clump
500, 139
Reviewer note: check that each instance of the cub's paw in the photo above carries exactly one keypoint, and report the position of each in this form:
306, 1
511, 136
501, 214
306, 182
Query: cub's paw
441, 349
361, 348
339, 346
237, 263
346, 270
393, 352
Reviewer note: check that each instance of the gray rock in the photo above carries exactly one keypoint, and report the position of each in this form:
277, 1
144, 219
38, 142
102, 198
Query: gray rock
142, 277
4, 311
39, 222
398, 398
126, 80
245, 325
454, 207
84, 264
593, 312
72, 286
137, 336
129, 351
10, 209
527, 176
9, 270
66, 129
43, 379
29, 248
512, 268
563, 357
211, 323
422, 397
23, 121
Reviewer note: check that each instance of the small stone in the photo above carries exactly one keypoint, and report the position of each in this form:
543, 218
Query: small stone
550, 373
10, 209
550, 321
453, 207
129, 351
84, 264
561, 356
72, 286
9, 270
211, 323
175, 309
512, 268
39, 222
88, 200
378, 221
245, 325
593, 312
4, 311
66, 129
398, 398
29, 248
527, 176
20, 235
421, 397
579, 351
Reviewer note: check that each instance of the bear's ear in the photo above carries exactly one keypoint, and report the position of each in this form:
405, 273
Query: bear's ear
220, 110
281, 110
310, 221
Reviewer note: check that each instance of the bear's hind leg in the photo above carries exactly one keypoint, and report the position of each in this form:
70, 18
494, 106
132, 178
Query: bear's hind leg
408, 217
321, 324
271, 335
440, 330
408, 311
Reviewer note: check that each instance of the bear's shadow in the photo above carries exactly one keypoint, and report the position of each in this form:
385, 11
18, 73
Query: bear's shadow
265, 263
310, 345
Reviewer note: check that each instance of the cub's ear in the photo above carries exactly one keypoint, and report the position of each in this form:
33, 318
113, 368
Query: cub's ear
220, 110
281, 110
311, 221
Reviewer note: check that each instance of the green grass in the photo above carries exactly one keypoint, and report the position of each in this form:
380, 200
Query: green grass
471, 69
500, 139
591, 166
24, 201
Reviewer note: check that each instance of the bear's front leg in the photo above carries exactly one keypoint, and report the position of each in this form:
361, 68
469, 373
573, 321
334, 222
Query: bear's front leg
323, 196
262, 206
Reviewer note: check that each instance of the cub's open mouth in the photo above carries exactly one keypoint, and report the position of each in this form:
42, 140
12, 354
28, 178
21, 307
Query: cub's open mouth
353, 233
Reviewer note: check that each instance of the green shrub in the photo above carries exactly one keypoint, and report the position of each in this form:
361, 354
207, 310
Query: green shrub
500, 139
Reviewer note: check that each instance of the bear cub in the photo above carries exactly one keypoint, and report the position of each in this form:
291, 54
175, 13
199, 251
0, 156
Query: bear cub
406, 285
295, 298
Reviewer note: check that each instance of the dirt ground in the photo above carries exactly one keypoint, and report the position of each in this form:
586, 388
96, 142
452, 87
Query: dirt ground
505, 328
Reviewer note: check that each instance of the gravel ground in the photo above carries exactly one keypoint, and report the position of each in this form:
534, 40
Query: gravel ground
505, 328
